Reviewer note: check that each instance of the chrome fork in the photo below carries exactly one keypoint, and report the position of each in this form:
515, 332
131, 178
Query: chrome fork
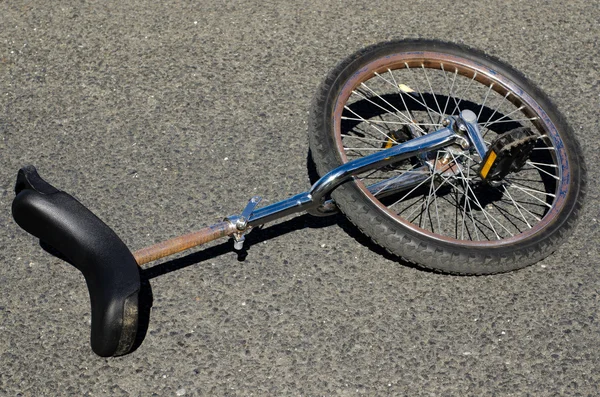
462, 130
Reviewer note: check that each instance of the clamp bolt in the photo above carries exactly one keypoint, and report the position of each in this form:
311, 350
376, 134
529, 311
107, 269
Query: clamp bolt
238, 244
241, 223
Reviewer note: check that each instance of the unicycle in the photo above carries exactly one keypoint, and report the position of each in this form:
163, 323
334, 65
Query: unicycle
441, 154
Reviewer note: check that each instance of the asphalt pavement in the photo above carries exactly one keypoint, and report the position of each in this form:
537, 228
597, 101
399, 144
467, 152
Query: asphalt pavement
163, 117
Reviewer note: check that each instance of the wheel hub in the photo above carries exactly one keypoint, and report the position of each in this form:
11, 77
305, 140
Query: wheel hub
445, 165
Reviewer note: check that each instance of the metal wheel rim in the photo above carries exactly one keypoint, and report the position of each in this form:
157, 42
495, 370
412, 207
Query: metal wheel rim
477, 73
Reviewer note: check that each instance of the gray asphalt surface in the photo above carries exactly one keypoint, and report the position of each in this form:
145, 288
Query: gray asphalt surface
164, 117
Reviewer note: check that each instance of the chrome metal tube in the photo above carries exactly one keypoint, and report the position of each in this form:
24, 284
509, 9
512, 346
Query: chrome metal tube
297, 203
311, 200
474, 132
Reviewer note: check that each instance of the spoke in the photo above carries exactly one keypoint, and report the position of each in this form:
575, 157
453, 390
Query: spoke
475, 221
369, 145
507, 115
437, 213
391, 180
364, 129
388, 128
370, 124
432, 92
412, 190
526, 210
476, 201
475, 162
531, 203
544, 164
390, 105
399, 92
429, 196
515, 204
385, 186
485, 213
450, 90
484, 101
544, 171
363, 139
464, 93
508, 121
531, 195
529, 189
446, 179
397, 87
496, 109
472, 217
384, 121
506, 213
376, 104
406, 208
482, 209
363, 96
501, 118
429, 110
462, 231
513, 178
419, 215
433, 123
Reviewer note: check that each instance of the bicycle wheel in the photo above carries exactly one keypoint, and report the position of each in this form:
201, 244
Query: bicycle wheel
444, 215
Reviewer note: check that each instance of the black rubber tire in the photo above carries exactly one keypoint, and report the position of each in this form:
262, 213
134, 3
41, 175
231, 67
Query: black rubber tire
407, 243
